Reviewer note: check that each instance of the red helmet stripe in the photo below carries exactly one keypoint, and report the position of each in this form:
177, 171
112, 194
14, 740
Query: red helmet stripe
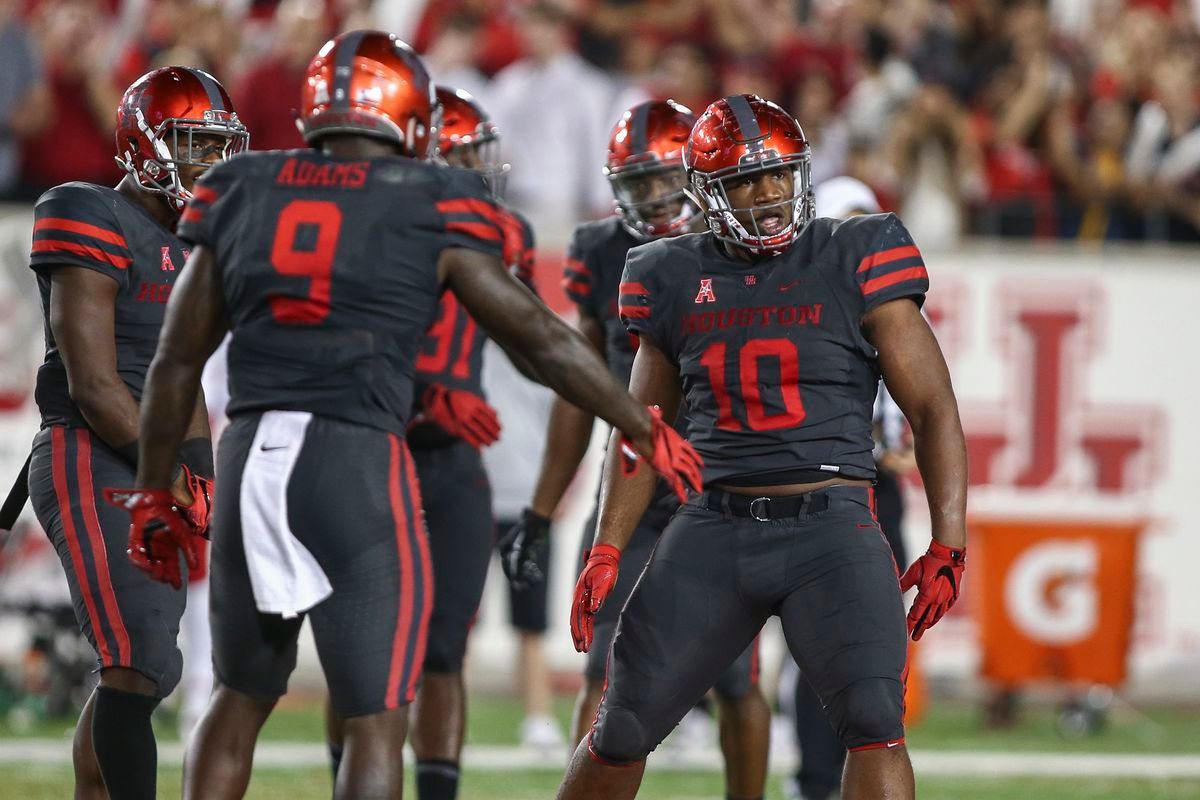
343, 70
745, 117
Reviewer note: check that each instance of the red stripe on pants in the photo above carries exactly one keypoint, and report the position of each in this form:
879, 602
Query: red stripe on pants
58, 461
404, 614
427, 577
754, 665
87, 501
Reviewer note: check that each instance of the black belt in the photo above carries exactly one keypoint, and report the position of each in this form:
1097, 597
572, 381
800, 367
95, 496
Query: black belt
764, 509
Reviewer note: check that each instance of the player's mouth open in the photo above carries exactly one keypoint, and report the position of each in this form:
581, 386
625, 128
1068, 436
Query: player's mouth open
658, 216
771, 222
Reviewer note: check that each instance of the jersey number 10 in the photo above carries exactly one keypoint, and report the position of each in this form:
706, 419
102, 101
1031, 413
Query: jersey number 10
747, 384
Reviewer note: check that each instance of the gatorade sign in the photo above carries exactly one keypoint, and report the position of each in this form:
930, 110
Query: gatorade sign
1055, 599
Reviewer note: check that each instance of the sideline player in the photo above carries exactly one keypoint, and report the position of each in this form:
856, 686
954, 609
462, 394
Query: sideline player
328, 264
452, 421
106, 261
645, 169
774, 328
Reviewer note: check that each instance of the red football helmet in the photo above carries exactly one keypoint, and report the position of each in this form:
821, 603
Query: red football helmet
741, 135
468, 138
369, 83
157, 121
645, 169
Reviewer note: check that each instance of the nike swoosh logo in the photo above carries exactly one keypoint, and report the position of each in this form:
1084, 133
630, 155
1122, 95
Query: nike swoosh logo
266, 449
787, 287
893, 744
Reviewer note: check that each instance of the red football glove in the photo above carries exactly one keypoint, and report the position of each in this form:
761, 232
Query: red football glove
199, 513
595, 583
937, 576
159, 532
463, 414
673, 458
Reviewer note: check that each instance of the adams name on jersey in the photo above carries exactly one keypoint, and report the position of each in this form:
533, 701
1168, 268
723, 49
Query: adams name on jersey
778, 379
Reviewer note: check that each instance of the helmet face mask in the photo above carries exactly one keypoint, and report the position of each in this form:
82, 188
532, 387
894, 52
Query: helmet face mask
184, 144
652, 199
762, 229
480, 154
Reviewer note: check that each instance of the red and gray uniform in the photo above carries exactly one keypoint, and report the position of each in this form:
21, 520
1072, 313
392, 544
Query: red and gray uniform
329, 274
130, 619
591, 279
458, 495
779, 384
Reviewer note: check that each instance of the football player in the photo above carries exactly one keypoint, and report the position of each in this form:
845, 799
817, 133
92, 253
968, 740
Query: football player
773, 328
645, 169
106, 260
328, 265
451, 422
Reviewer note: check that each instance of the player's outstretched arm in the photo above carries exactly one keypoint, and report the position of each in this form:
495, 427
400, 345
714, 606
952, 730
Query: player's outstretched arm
194, 326
568, 433
916, 375
624, 494
82, 319
523, 546
558, 355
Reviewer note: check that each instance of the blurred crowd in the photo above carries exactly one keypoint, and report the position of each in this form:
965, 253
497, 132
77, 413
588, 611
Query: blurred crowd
1027, 118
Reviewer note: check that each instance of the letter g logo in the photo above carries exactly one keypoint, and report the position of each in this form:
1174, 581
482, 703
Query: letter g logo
1050, 591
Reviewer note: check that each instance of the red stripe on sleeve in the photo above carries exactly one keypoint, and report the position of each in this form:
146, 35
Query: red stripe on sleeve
578, 267
634, 312
87, 502
205, 194
95, 253
470, 205
82, 228
191, 214
577, 288
892, 278
477, 230
633, 288
58, 464
404, 613
887, 256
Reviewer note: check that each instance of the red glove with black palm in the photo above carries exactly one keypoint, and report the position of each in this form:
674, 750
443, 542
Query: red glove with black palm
463, 414
938, 578
199, 512
595, 583
673, 458
159, 533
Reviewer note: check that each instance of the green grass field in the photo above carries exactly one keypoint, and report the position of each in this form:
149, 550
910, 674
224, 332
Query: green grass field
40, 783
494, 722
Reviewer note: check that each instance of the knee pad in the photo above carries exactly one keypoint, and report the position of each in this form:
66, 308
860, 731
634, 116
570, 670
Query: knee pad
618, 737
445, 648
868, 712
